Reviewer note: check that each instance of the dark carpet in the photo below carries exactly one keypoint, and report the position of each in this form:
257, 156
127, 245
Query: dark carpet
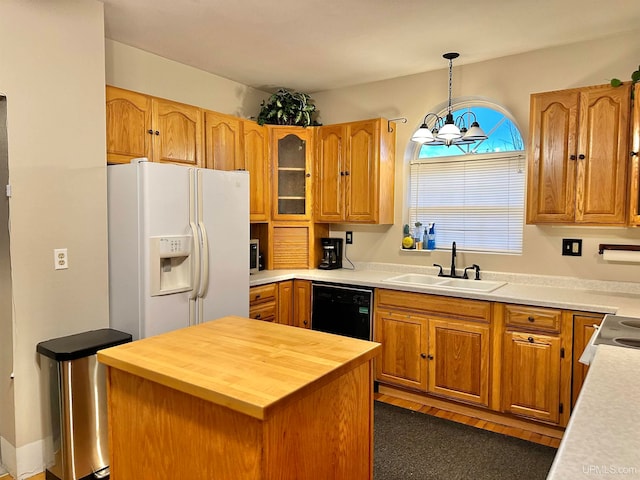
414, 445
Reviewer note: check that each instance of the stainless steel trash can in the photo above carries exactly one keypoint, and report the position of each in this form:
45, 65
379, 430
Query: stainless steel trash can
77, 404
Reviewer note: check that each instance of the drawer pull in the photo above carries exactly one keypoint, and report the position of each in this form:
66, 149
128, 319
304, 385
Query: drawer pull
258, 316
531, 340
531, 319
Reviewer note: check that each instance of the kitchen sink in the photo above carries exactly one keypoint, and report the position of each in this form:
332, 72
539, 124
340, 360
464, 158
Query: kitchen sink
422, 280
415, 279
473, 285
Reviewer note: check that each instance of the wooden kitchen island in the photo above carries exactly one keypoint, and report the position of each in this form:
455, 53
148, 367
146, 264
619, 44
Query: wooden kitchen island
239, 399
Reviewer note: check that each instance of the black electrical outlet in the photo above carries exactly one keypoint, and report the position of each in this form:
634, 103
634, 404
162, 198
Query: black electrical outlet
572, 247
349, 238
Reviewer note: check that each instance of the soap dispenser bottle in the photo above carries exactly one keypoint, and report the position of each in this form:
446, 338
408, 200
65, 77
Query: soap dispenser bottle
431, 236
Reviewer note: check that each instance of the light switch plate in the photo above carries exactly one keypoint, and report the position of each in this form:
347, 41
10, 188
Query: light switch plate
572, 247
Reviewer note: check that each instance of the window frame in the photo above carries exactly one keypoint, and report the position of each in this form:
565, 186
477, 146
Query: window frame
413, 156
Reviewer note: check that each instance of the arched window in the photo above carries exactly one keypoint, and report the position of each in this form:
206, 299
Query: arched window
473, 193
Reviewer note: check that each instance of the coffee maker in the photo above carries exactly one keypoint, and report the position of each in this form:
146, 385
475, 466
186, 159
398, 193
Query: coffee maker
331, 253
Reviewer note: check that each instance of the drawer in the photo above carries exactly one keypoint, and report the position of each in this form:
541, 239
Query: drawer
533, 317
459, 308
263, 311
263, 293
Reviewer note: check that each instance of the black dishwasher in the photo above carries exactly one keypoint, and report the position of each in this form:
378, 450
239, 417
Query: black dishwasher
341, 309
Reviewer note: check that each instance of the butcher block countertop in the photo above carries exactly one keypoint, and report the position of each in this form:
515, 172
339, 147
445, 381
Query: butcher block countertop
249, 366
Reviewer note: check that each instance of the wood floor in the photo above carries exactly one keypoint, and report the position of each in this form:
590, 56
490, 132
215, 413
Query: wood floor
40, 476
472, 421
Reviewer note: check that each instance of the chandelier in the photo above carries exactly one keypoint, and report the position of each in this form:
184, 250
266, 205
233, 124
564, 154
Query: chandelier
446, 130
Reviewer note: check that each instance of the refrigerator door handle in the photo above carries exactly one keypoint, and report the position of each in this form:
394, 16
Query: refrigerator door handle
204, 240
196, 238
204, 274
195, 262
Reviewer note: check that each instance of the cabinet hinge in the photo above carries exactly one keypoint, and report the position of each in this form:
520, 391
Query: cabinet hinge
561, 409
562, 353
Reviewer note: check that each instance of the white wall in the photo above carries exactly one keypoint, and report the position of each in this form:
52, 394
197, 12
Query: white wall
134, 69
7, 425
52, 73
509, 81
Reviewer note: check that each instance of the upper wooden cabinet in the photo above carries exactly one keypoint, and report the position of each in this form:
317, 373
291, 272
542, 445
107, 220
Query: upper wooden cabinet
161, 130
223, 139
578, 154
354, 175
634, 174
129, 133
291, 155
255, 154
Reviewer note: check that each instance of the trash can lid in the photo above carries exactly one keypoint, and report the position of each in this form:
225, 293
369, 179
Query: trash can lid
81, 345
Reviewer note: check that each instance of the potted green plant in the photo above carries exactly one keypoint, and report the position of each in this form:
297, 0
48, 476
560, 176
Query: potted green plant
635, 78
286, 107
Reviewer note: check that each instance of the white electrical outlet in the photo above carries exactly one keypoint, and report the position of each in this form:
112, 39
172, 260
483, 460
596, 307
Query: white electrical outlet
60, 259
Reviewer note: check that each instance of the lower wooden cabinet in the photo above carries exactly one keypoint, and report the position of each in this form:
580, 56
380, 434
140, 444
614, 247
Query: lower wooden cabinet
447, 357
459, 360
263, 302
287, 302
583, 328
536, 363
302, 303
404, 349
531, 375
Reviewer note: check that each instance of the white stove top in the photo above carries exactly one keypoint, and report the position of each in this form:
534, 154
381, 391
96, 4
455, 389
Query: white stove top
620, 331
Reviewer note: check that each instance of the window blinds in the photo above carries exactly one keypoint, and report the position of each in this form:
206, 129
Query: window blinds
477, 202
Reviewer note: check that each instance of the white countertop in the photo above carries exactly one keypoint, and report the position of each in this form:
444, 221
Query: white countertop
602, 439
622, 298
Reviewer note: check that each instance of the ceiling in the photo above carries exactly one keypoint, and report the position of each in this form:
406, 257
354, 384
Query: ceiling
315, 45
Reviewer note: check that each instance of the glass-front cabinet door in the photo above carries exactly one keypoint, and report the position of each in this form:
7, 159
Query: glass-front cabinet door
291, 149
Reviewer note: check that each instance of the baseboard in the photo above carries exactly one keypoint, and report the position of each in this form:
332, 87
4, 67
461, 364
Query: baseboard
26, 462
476, 412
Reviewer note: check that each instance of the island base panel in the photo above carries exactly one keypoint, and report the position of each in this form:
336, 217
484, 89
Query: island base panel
158, 432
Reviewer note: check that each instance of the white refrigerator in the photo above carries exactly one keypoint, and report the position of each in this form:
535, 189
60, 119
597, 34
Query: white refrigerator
178, 246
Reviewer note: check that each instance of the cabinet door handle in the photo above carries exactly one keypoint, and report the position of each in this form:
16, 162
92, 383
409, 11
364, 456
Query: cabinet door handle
346, 173
423, 355
308, 175
342, 174
634, 154
305, 322
531, 340
257, 296
581, 157
258, 317
430, 357
572, 157
531, 319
